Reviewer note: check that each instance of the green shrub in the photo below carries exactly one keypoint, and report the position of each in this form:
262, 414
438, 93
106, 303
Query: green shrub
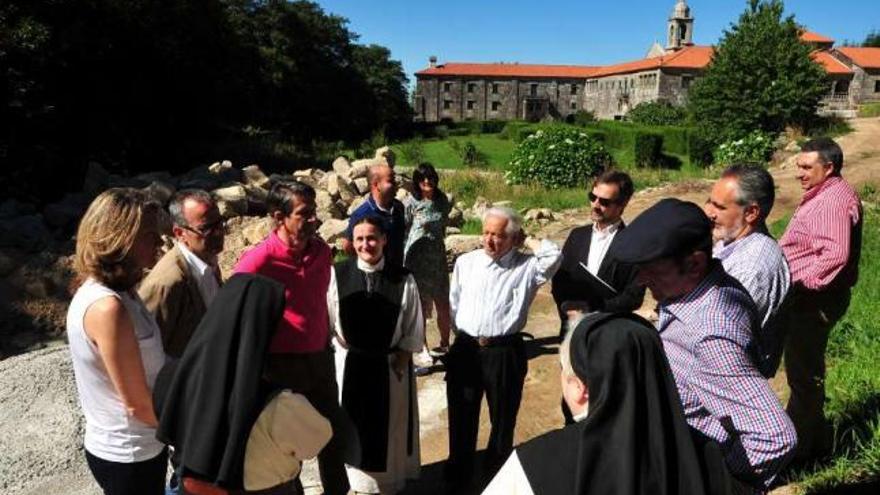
648, 149
869, 110
511, 129
412, 151
675, 139
700, 149
441, 131
755, 147
657, 113
557, 157
459, 131
524, 132
471, 156
829, 126
583, 118
492, 126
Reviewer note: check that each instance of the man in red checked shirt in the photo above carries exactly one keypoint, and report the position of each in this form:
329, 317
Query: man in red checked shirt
822, 245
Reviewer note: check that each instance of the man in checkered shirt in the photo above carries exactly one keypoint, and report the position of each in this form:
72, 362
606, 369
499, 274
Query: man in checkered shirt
706, 324
822, 245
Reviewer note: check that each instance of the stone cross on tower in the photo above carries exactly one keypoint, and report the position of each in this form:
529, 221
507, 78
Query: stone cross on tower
681, 27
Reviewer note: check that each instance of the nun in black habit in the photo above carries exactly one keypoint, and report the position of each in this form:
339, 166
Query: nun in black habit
630, 436
233, 432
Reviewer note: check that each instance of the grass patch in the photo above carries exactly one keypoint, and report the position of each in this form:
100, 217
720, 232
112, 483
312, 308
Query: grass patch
869, 110
853, 381
442, 154
472, 226
471, 184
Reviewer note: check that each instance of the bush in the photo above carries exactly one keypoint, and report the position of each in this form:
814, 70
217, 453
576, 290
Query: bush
511, 129
471, 156
557, 157
583, 118
657, 113
648, 149
441, 131
459, 131
756, 147
524, 132
412, 151
700, 149
492, 126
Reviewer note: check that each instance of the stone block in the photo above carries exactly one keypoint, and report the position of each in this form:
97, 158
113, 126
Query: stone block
332, 229
232, 201
342, 166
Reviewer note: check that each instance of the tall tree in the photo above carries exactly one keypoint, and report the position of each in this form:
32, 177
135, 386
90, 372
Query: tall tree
761, 77
872, 40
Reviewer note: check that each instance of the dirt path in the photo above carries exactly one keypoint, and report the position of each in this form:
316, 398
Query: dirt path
539, 411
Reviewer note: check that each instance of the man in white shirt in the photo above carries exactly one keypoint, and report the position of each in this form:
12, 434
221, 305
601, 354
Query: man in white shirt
490, 295
184, 282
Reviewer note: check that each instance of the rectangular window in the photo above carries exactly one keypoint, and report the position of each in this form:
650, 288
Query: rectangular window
686, 81
533, 90
447, 104
496, 105
494, 88
574, 89
877, 86
470, 104
447, 87
472, 87
574, 105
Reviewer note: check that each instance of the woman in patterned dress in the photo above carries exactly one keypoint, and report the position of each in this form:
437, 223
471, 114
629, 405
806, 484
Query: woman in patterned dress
425, 251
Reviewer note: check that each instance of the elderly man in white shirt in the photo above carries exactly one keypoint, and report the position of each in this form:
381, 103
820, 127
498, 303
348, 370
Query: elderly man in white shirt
490, 295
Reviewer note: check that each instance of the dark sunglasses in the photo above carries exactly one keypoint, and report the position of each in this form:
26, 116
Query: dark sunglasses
207, 229
602, 201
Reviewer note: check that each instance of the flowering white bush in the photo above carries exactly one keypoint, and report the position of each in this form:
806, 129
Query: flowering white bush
756, 147
557, 157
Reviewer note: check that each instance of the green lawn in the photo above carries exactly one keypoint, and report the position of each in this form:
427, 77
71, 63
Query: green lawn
441, 154
853, 381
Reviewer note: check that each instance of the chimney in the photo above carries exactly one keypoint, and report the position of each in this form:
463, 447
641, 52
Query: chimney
432, 61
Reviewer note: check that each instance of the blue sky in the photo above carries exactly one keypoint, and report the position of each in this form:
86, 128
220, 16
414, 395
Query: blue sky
585, 32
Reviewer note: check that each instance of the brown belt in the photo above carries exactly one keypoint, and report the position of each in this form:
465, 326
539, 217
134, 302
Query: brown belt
488, 341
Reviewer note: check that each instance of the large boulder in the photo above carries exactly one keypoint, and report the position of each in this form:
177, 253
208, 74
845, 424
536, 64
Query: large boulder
253, 176
355, 204
539, 215
386, 154
66, 213
232, 201
456, 217
255, 229
342, 166
332, 229
361, 185
457, 245
359, 168
27, 232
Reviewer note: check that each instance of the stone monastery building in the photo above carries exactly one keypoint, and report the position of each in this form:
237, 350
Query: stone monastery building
506, 91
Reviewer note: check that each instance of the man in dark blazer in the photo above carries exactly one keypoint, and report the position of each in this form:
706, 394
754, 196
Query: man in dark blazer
591, 246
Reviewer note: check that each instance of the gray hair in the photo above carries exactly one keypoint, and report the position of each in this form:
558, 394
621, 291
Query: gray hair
565, 352
754, 186
175, 207
514, 221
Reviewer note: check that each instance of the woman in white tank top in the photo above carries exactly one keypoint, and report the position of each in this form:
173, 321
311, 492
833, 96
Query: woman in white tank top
115, 343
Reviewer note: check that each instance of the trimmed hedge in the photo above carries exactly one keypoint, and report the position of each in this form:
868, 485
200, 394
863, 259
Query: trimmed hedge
700, 149
648, 149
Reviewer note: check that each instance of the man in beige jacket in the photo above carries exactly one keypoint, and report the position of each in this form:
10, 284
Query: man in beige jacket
184, 282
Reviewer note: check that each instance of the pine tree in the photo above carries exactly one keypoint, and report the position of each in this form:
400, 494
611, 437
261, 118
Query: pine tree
761, 77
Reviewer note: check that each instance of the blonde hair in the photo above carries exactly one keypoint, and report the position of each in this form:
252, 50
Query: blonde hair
106, 235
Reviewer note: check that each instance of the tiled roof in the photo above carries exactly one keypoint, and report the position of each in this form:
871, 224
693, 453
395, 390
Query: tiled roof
691, 57
509, 70
831, 64
811, 37
866, 58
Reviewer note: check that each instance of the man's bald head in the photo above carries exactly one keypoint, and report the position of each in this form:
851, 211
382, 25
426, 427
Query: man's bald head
382, 186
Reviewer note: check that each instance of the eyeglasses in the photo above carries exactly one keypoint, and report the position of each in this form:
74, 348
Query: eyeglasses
606, 202
207, 229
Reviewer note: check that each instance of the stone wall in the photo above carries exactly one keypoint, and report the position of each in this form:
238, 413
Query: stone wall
457, 99
614, 96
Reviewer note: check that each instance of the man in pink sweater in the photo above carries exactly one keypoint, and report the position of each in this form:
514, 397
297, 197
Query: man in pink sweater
300, 356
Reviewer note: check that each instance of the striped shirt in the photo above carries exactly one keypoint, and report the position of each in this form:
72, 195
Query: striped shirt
823, 240
707, 335
757, 263
491, 298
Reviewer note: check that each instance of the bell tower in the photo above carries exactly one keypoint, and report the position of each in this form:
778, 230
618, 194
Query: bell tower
681, 27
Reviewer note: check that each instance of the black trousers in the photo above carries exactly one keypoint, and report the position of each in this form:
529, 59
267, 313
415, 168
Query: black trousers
130, 478
499, 372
